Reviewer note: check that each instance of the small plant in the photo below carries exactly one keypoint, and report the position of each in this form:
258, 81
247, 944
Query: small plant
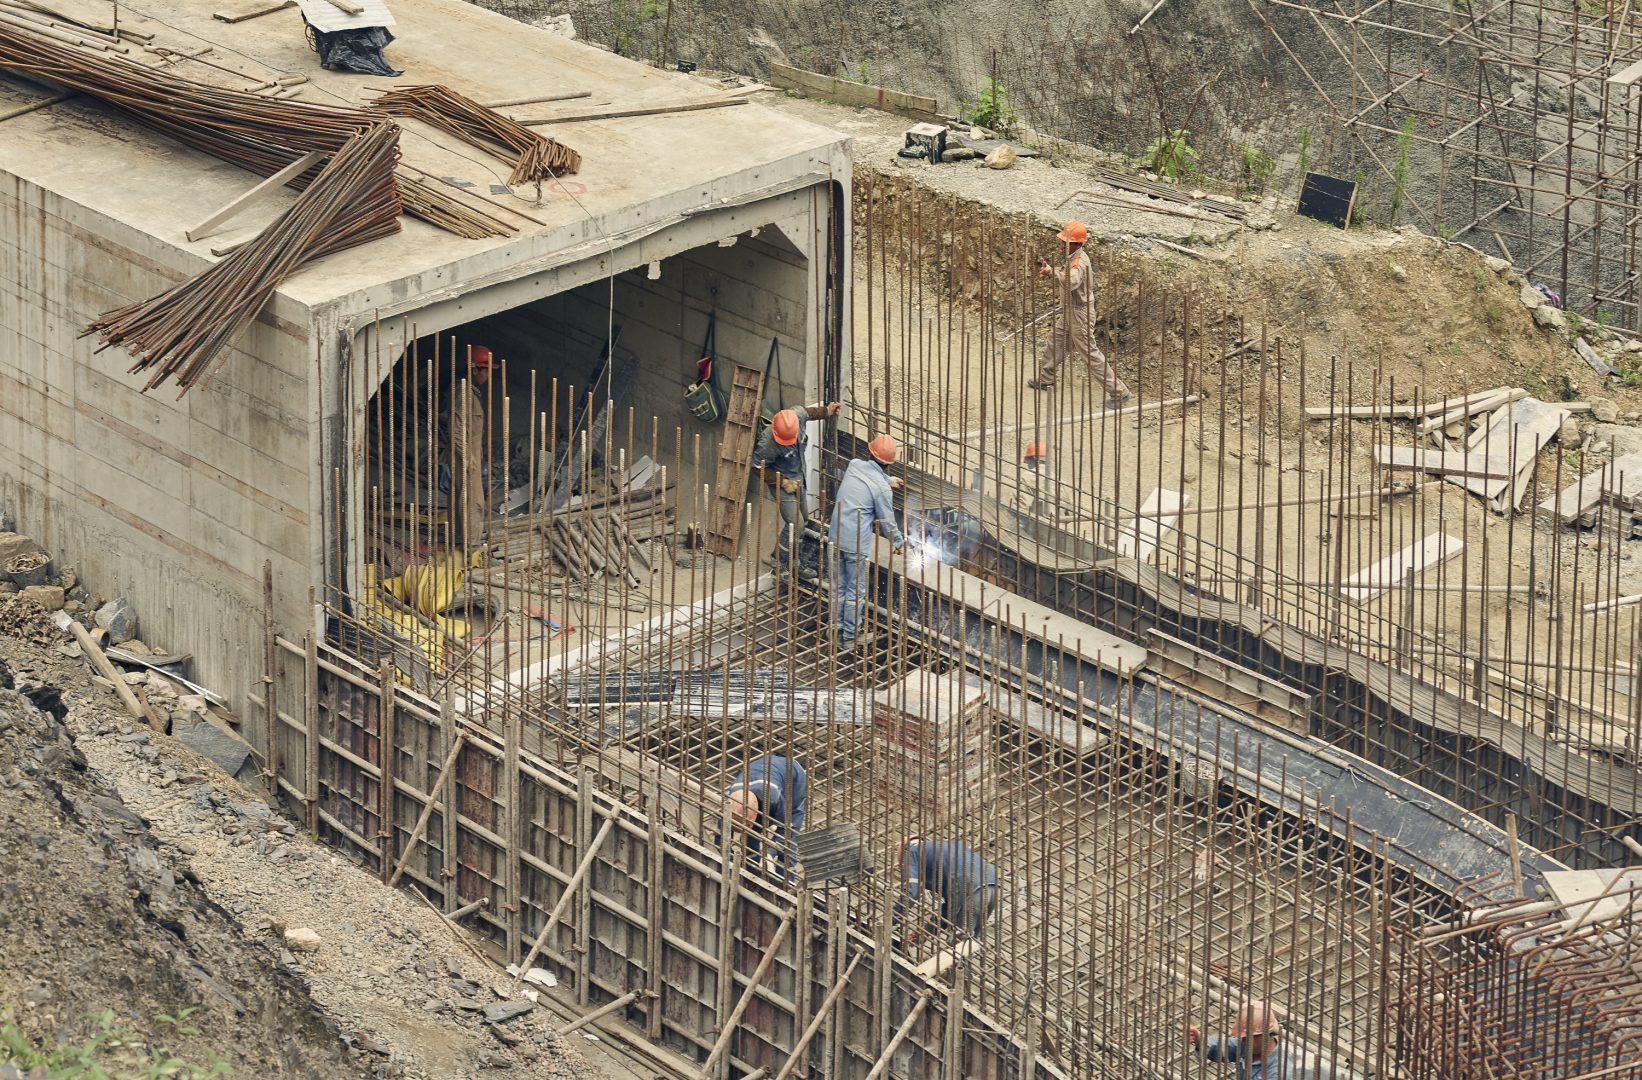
1305, 151
1257, 169
1629, 372
1359, 213
1603, 317
1480, 282
110, 1052
1399, 171
1534, 382
991, 108
1170, 154
1576, 325
1445, 231
627, 18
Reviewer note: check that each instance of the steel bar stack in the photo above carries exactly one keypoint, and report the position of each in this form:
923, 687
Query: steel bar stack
536, 158
354, 198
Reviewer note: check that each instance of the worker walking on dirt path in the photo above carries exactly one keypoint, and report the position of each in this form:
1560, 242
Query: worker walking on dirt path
1074, 331
966, 883
865, 504
1255, 1048
770, 799
779, 456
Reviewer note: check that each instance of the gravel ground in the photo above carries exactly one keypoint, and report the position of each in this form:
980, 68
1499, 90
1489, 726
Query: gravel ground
216, 881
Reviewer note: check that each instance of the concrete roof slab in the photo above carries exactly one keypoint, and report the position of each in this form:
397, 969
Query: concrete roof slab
634, 169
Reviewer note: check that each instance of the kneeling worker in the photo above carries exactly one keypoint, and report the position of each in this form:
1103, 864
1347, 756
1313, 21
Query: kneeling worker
770, 799
966, 883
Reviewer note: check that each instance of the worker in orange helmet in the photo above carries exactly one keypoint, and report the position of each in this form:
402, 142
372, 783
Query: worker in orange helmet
1036, 460
779, 458
865, 504
1256, 1048
1074, 331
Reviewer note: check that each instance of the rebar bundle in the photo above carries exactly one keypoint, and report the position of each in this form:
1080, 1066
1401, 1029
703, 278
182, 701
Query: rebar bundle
182, 331
538, 157
354, 198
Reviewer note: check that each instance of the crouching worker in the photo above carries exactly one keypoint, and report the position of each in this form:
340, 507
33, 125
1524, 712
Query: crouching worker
965, 882
769, 800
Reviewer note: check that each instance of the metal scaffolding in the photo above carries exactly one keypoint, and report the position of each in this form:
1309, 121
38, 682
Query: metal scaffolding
1512, 125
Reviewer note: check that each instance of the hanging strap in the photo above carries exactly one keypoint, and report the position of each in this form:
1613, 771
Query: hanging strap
709, 347
772, 362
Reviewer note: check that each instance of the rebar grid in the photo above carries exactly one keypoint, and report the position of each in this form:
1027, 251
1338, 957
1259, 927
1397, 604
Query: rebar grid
1150, 880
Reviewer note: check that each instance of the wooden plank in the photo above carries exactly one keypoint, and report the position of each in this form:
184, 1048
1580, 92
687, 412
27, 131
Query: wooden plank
1466, 410
1153, 523
1404, 410
849, 93
1533, 425
1389, 572
735, 455
1444, 462
1626, 75
255, 11
256, 194
620, 114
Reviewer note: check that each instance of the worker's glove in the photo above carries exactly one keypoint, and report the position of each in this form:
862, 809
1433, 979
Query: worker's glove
789, 486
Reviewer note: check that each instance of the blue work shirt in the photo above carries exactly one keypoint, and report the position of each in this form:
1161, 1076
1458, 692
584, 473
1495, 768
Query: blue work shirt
1281, 1063
864, 500
956, 872
783, 791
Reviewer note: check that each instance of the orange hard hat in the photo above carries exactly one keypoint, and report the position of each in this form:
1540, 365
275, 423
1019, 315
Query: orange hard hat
1036, 450
884, 449
785, 427
1076, 232
482, 357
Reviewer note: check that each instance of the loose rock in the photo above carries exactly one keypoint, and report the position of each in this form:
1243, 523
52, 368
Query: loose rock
49, 597
119, 619
302, 940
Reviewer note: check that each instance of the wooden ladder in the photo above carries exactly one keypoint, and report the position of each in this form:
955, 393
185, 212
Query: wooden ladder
735, 456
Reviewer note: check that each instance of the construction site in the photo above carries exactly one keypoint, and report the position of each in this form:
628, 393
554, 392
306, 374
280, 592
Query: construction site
421, 414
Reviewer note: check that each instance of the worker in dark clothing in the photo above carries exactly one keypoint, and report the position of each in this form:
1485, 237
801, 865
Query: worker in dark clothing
770, 799
779, 455
1256, 1049
966, 883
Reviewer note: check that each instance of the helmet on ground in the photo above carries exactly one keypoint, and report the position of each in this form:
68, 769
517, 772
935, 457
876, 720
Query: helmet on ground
1076, 232
884, 449
785, 427
482, 357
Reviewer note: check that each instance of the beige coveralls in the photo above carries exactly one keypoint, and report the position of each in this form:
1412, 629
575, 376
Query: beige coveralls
470, 507
1074, 332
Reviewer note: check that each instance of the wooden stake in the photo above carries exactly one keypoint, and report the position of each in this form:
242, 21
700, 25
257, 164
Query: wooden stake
564, 900
1516, 851
427, 809
100, 661
734, 1021
818, 1019
601, 1012
900, 1036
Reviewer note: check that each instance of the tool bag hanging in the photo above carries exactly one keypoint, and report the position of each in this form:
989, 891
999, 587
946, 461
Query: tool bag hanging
705, 399
766, 412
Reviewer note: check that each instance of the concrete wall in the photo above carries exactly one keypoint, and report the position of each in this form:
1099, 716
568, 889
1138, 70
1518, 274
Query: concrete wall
172, 504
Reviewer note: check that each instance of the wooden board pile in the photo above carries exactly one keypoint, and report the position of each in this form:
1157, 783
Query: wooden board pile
588, 539
937, 730
1617, 485
1487, 442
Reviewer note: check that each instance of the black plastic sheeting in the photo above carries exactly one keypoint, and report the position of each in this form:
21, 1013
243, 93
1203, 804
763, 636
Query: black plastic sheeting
1430, 838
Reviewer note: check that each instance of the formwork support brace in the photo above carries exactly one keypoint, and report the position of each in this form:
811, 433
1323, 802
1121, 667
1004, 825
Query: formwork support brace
570, 888
734, 1021
901, 1033
819, 1018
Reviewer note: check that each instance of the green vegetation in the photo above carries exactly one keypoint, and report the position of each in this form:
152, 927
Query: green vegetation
1305, 152
1628, 370
1399, 171
1359, 214
627, 18
110, 1052
1257, 169
991, 108
1170, 155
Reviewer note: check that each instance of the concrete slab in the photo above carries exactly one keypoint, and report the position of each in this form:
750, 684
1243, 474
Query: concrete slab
636, 171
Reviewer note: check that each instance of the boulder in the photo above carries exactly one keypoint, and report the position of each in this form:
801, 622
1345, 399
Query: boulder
1604, 410
15, 544
1551, 318
1001, 158
119, 619
302, 939
1532, 298
227, 752
49, 597
1569, 434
